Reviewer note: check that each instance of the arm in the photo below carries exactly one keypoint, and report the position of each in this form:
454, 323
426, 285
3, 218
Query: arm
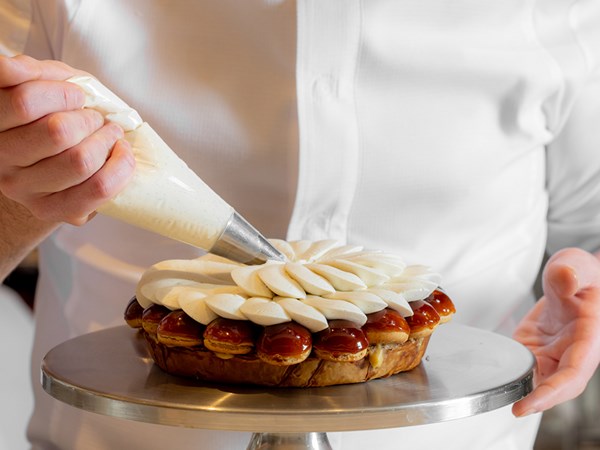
20, 233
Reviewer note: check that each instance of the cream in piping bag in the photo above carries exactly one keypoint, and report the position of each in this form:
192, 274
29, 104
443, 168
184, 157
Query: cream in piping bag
165, 196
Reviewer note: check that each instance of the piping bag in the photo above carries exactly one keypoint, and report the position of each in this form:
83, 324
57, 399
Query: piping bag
165, 196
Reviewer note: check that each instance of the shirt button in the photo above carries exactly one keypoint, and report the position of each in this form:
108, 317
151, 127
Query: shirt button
324, 87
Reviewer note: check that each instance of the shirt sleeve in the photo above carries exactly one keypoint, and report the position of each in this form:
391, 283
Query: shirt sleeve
15, 19
573, 158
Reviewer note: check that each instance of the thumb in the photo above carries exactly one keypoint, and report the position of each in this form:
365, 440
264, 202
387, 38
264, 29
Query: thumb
570, 271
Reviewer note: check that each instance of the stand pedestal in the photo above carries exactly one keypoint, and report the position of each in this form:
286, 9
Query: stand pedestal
465, 371
289, 441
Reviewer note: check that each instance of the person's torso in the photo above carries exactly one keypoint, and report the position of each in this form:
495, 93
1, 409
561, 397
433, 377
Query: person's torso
421, 127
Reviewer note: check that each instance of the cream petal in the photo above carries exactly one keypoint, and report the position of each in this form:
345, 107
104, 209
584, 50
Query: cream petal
226, 305
412, 290
306, 315
368, 275
277, 279
169, 297
299, 248
337, 309
224, 290
193, 302
343, 251
339, 279
367, 302
389, 266
310, 281
264, 311
149, 292
317, 249
394, 300
247, 278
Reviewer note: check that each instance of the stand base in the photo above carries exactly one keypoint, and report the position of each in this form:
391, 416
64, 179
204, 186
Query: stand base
289, 441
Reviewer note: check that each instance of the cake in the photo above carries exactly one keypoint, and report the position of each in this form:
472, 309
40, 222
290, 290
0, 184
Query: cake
331, 314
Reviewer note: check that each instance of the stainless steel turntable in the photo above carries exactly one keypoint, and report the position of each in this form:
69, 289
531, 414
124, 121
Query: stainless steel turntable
465, 371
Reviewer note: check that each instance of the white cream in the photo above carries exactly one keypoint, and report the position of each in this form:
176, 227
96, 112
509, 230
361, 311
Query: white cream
394, 300
302, 313
311, 282
277, 280
416, 289
368, 275
165, 195
322, 281
193, 302
227, 305
367, 302
335, 309
264, 311
339, 279
247, 278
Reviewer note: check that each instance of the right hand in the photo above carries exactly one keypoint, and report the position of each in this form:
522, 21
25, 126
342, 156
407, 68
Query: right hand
57, 159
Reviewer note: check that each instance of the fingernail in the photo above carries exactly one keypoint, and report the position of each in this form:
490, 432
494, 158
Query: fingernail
129, 154
565, 282
117, 129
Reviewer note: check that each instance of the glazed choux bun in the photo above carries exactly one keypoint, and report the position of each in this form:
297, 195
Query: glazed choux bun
284, 344
230, 337
179, 329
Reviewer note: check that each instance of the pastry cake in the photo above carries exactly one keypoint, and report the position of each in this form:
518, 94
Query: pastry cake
331, 314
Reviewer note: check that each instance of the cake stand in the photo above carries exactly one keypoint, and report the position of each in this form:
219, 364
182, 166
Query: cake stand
465, 371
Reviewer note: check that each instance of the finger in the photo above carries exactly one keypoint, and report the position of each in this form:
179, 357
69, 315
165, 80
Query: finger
572, 286
565, 384
19, 69
72, 166
527, 331
49, 136
560, 279
541, 399
571, 270
32, 100
76, 204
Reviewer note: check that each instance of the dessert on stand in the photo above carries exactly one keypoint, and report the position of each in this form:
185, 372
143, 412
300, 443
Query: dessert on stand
327, 314
184, 359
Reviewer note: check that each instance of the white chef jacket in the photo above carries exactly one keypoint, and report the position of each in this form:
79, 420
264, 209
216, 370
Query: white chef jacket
460, 134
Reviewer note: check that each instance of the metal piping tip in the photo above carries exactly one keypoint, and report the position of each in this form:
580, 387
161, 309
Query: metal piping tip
241, 242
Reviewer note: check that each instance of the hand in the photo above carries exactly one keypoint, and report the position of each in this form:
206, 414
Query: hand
563, 330
60, 161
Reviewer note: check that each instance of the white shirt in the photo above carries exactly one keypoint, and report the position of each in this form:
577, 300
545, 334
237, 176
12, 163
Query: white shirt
463, 135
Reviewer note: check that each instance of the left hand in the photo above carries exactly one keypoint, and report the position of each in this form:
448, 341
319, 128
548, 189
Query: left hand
563, 330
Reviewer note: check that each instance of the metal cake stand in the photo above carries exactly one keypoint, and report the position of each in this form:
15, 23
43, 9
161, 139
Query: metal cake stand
465, 371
